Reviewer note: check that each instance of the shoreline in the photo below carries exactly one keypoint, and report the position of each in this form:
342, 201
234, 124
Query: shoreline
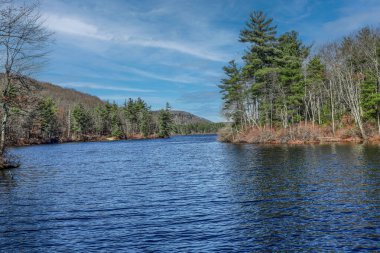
300, 142
299, 135
100, 139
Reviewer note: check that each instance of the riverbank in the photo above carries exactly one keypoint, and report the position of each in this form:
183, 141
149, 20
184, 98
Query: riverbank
84, 138
299, 134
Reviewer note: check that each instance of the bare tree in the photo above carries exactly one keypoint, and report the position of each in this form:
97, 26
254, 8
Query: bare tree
23, 45
350, 78
369, 46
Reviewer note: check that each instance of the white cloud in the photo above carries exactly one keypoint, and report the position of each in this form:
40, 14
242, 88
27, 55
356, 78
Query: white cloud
352, 21
175, 79
181, 47
77, 27
73, 26
103, 87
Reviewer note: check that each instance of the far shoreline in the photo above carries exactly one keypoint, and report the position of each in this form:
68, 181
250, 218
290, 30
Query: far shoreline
103, 139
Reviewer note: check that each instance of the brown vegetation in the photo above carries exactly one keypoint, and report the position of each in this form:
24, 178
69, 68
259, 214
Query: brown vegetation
298, 134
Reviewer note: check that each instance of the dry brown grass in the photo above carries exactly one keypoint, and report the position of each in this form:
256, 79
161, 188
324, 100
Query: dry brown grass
297, 134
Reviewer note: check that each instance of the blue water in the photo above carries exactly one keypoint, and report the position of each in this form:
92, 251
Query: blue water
191, 194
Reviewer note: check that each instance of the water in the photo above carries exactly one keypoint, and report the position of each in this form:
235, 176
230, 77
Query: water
191, 194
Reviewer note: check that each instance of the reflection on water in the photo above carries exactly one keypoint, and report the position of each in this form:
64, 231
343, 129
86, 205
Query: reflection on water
191, 194
300, 197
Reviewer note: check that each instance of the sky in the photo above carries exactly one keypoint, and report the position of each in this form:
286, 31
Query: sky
174, 50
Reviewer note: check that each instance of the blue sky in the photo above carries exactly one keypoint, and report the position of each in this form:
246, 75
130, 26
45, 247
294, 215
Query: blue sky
174, 50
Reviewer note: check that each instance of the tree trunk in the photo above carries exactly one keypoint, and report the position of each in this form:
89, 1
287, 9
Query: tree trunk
332, 109
364, 136
377, 106
69, 125
319, 112
5, 107
3, 128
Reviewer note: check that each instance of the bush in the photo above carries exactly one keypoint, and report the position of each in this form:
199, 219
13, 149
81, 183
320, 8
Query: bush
226, 134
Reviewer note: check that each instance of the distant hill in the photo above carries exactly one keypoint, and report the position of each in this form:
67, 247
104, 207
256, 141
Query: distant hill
65, 97
68, 97
185, 118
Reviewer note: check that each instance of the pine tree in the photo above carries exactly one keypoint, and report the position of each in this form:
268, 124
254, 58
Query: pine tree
291, 81
145, 125
137, 113
165, 122
259, 67
131, 115
116, 125
82, 121
233, 94
47, 112
102, 115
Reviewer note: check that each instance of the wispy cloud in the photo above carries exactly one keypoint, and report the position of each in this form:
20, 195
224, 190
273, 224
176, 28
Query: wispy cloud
77, 27
352, 20
175, 79
176, 46
74, 26
104, 87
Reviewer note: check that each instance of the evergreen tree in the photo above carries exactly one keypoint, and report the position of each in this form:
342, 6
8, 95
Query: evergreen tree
142, 111
260, 34
47, 112
82, 121
291, 81
116, 125
259, 67
130, 112
165, 122
137, 113
146, 120
233, 94
103, 119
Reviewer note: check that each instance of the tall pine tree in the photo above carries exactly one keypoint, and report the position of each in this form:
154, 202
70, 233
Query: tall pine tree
259, 68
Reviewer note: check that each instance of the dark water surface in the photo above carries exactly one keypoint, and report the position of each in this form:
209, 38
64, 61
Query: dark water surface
191, 194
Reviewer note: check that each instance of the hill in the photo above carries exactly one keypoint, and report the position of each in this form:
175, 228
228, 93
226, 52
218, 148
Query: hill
186, 118
69, 97
65, 97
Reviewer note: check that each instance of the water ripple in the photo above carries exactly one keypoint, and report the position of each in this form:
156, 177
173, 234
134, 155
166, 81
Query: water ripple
191, 194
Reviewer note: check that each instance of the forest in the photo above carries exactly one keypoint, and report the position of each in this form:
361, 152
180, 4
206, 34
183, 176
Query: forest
287, 91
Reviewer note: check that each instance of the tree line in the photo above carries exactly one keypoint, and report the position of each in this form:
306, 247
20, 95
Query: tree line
280, 84
47, 122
